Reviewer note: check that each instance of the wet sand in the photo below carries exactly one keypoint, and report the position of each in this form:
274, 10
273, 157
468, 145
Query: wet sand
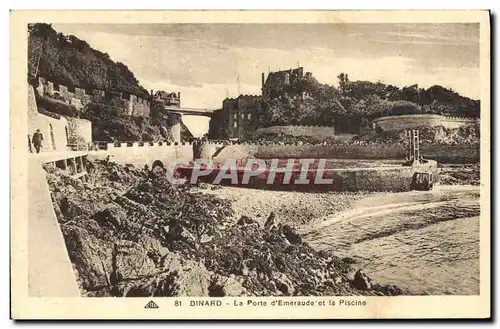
425, 242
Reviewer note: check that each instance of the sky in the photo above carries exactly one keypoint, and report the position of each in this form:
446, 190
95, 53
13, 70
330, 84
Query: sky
204, 61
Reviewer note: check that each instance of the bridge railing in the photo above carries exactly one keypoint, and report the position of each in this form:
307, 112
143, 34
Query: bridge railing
105, 145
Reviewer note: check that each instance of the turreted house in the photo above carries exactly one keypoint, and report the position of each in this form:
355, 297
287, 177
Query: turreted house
277, 82
166, 98
238, 116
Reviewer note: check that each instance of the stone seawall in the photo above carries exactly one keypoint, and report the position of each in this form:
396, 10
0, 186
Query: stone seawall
399, 122
460, 153
310, 131
79, 97
351, 151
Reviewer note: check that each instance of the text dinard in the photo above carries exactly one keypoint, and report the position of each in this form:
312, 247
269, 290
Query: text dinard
276, 302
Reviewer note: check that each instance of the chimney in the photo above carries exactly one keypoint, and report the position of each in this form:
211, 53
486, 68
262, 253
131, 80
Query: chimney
179, 95
151, 92
263, 75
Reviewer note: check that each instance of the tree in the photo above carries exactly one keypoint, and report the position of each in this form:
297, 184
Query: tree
343, 79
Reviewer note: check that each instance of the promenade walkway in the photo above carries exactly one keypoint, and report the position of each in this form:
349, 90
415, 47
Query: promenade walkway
50, 273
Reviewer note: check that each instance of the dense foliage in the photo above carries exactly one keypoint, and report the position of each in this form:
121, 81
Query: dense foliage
70, 61
109, 123
352, 105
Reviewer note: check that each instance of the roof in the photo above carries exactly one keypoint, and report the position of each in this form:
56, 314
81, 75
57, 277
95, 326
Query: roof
164, 94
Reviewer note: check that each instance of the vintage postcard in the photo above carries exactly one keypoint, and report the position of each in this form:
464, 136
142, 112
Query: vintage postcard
250, 164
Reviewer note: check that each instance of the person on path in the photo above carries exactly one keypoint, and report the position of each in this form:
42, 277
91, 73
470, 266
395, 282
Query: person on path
37, 140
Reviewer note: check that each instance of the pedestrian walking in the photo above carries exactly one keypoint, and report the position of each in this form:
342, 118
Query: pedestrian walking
37, 140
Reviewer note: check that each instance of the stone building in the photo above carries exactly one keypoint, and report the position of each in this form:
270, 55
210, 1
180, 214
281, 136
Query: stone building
79, 96
236, 118
279, 82
166, 98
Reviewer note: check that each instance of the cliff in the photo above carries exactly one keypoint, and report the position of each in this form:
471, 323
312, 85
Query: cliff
70, 61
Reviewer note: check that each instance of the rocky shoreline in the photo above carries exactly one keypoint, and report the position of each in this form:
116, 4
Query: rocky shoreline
129, 233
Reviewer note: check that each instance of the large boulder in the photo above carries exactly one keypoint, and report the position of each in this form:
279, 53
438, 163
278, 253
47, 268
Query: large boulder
130, 261
290, 235
245, 220
362, 281
177, 278
70, 209
90, 255
271, 222
112, 215
283, 283
222, 286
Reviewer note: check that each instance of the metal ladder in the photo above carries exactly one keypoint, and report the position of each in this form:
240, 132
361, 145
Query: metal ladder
413, 151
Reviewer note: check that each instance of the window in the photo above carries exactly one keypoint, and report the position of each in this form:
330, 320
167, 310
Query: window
249, 116
235, 116
243, 115
235, 124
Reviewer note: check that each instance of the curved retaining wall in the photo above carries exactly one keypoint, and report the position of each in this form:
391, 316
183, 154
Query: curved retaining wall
398, 122
340, 151
377, 179
460, 153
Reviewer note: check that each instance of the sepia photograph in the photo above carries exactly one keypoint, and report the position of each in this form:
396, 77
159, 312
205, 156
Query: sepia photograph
225, 162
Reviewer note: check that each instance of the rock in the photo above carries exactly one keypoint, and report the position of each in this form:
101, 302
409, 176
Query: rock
187, 236
283, 283
70, 208
290, 235
90, 255
130, 261
270, 260
186, 278
271, 222
115, 176
361, 281
226, 286
113, 214
348, 260
155, 251
245, 220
